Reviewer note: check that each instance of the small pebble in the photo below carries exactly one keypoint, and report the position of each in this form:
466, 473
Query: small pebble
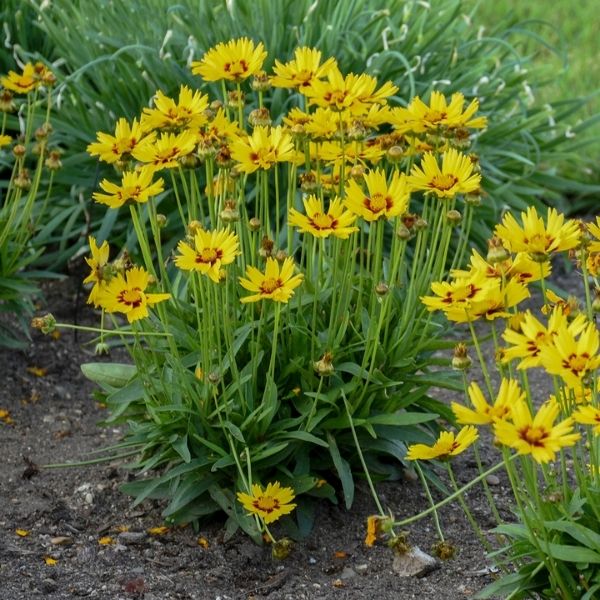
493, 479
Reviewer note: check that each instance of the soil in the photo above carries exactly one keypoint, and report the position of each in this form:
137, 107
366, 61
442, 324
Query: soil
65, 512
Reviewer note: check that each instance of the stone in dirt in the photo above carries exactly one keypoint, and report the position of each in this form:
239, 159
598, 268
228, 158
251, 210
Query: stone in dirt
414, 563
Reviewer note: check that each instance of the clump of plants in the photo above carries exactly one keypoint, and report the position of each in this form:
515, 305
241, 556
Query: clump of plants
548, 443
279, 348
27, 166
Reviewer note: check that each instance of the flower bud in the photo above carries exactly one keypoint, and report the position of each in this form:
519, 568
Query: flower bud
395, 154
461, 360
42, 132
281, 255
453, 217
403, 232
308, 183
261, 82
235, 99
357, 172
223, 157
102, 349
22, 180
497, 253
7, 103
161, 220
198, 373
382, 289
421, 224
266, 247
216, 105
49, 79
259, 117
189, 161
474, 198
214, 377
53, 161
193, 228
19, 150
254, 224
230, 213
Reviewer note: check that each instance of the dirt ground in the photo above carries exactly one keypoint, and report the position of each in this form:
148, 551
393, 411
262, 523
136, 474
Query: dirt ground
66, 512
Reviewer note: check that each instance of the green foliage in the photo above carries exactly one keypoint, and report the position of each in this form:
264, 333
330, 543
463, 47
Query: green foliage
531, 152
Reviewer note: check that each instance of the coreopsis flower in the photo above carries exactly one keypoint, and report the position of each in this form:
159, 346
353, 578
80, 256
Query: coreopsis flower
454, 177
594, 230
5, 140
269, 504
457, 297
211, 250
302, 70
97, 263
336, 221
165, 152
136, 186
274, 284
353, 93
261, 150
519, 268
538, 435
570, 357
117, 147
354, 153
537, 238
127, 294
235, 60
533, 335
21, 83
588, 415
381, 200
419, 117
187, 113
219, 130
446, 445
483, 413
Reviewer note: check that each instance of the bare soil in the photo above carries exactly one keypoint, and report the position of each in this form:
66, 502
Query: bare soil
65, 512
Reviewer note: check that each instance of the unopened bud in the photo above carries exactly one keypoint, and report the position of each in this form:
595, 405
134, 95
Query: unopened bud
189, 161
403, 232
19, 150
254, 224
235, 99
214, 377
22, 180
395, 154
259, 117
420, 224
497, 253
193, 228
261, 82
102, 349
266, 247
216, 105
230, 213
49, 79
461, 360
357, 172
474, 199
281, 255
42, 132
7, 103
453, 217
161, 220
53, 161
382, 289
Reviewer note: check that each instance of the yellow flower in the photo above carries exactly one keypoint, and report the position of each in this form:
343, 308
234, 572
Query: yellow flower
136, 186
381, 200
165, 152
235, 60
594, 229
273, 284
269, 504
455, 177
484, 413
373, 529
302, 70
112, 148
534, 336
447, 445
336, 221
22, 83
588, 415
536, 237
211, 251
261, 150
126, 294
97, 263
570, 358
537, 435
187, 113
353, 153
418, 117
5, 140
217, 131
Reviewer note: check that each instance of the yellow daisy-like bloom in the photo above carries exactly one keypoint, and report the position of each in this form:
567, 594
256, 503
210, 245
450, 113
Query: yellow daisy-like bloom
527, 343
537, 238
126, 294
336, 221
594, 229
570, 358
261, 150
456, 298
165, 152
519, 268
538, 435
455, 176
235, 60
112, 148
269, 504
210, 252
353, 153
187, 113
136, 186
484, 413
274, 284
218, 131
418, 117
302, 70
353, 93
5, 140
97, 263
21, 83
588, 415
382, 200
447, 445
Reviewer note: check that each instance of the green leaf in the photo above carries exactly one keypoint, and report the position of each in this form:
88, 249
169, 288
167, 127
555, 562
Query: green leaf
570, 553
305, 437
402, 418
343, 469
114, 375
181, 447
